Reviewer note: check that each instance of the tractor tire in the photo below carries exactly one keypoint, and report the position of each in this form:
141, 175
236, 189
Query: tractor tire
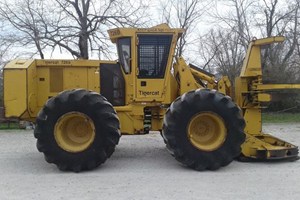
203, 129
77, 130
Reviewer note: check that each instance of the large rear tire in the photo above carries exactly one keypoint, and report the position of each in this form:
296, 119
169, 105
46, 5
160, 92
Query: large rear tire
77, 130
203, 129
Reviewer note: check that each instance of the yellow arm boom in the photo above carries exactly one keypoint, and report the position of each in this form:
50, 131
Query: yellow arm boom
249, 94
277, 86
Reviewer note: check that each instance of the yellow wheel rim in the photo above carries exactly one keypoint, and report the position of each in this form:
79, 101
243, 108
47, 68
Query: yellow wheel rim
206, 131
74, 132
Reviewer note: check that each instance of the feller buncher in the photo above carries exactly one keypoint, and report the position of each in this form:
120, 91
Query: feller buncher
81, 107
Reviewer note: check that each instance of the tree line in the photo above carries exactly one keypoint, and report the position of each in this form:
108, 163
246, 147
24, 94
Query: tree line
216, 38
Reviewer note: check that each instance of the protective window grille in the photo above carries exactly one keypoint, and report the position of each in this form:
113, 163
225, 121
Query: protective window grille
153, 53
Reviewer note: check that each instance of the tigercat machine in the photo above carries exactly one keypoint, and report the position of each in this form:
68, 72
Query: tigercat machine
81, 107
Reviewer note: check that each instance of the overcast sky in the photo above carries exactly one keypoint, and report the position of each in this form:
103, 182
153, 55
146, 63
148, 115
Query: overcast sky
204, 25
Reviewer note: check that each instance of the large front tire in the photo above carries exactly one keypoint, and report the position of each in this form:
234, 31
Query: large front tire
203, 129
77, 130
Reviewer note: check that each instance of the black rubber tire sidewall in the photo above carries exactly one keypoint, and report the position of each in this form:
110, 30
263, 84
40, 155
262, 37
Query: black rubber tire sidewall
178, 117
106, 128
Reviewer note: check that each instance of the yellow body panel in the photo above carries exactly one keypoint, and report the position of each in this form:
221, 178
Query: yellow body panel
18, 64
252, 61
263, 97
28, 84
117, 33
132, 116
15, 92
153, 91
253, 121
187, 81
265, 146
277, 86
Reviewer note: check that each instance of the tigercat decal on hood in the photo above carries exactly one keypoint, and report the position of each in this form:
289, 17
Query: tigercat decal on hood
148, 93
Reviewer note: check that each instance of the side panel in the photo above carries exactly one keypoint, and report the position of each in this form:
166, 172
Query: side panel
43, 85
52, 80
32, 90
15, 88
149, 89
93, 79
56, 79
75, 77
28, 84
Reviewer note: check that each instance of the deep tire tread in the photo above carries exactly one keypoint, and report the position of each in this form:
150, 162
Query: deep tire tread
91, 104
176, 120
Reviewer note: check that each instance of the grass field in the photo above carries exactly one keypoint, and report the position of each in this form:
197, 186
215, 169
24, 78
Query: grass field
280, 117
12, 125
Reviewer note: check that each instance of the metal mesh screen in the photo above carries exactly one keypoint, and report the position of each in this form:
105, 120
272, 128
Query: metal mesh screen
153, 53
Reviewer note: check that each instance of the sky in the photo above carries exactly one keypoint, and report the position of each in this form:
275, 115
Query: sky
206, 23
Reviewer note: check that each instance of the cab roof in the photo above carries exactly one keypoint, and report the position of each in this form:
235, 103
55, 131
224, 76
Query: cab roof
116, 33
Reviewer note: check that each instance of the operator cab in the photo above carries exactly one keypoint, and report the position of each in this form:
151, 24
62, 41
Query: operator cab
145, 57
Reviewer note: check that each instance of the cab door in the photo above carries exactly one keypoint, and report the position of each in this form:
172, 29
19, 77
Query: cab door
114, 81
152, 59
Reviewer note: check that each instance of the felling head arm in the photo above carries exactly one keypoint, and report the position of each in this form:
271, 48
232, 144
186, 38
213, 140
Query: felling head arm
252, 63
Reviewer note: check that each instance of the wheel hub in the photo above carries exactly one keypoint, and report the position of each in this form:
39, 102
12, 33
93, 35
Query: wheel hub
206, 131
74, 132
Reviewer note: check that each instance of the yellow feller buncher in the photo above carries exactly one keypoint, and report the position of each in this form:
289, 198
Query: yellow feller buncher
81, 107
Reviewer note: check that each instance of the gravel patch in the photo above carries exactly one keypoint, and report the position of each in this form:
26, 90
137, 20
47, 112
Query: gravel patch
141, 168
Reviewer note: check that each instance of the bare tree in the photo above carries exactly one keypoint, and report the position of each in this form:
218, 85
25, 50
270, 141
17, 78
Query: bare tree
237, 19
278, 60
77, 26
24, 17
245, 19
223, 55
184, 14
223, 47
81, 26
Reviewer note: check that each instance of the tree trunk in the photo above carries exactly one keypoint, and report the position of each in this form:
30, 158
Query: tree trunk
83, 46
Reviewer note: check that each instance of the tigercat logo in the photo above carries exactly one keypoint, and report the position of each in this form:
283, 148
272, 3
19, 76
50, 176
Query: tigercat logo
57, 62
148, 93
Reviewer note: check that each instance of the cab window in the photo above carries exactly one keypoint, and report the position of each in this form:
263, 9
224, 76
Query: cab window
124, 49
153, 54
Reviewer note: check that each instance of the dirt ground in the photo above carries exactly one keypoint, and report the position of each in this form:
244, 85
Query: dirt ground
141, 168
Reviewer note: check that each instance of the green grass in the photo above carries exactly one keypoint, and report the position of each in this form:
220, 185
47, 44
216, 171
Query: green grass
12, 125
280, 117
